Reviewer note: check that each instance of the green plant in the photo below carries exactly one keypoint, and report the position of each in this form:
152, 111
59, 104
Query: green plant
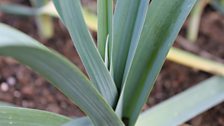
195, 16
44, 22
122, 70
175, 55
195, 19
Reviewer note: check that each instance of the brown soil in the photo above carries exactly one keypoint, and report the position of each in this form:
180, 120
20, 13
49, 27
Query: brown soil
22, 87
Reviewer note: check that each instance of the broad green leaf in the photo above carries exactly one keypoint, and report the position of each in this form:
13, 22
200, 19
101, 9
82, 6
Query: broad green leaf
13, 116
191, 60
104, 13
60, 72
71, 14
129, 17
181, 107
186, 105
163, 22
84, 121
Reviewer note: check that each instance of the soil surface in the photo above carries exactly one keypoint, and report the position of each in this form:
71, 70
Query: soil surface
22, 87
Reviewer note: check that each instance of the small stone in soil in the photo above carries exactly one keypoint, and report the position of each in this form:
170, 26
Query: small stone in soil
53, 108
27, 104
27, 90
17, 94
4, 87
11, 81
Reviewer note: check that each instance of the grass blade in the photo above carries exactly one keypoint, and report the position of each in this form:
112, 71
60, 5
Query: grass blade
71, 14
185, 105
13, 116
163, 22
60, 72
104, 13
129, 17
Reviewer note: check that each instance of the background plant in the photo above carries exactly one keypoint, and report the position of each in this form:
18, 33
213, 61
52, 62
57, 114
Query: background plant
145, 40
196, 14
44, 22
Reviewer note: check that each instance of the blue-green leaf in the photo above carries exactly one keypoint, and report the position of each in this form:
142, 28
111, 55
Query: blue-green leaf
104, 14
14, 116
163, 22
129, 17
60, 72
71, 14
186, 105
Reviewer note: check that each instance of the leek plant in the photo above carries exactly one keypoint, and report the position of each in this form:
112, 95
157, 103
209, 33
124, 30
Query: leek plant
195, 16
174, 55
133, 41
195, 20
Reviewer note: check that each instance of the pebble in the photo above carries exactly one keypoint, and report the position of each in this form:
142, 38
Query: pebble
4, 87
17, 94
11, 81
53, 108
27, 90
27, 104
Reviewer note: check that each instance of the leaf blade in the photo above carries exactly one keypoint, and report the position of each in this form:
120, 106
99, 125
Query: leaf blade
58, 70
17, 9
191, 60
104, 14
71, 10
14, 116
163, 22
185, 105
83, 121
128, 21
